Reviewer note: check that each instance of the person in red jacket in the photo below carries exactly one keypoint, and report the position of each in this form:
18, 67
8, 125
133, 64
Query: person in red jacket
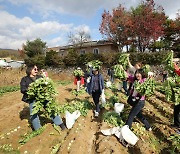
79, 80
177, 69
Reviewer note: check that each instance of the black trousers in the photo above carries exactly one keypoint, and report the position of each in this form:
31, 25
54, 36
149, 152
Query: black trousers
177, 115
96, 95
136, 111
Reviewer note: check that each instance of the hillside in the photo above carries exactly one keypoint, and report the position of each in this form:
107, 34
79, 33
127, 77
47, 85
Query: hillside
14, 54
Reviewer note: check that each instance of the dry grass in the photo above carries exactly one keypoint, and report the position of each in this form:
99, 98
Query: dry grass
65, 75
13, 77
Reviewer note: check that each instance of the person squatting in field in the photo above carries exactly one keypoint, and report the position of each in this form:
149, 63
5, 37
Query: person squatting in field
137, 102
31, 76
96, 87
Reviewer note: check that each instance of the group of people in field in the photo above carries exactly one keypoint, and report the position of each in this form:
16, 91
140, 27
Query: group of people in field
94, 83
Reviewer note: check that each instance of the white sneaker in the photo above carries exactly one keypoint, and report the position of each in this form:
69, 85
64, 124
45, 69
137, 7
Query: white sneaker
150, 129
96, 114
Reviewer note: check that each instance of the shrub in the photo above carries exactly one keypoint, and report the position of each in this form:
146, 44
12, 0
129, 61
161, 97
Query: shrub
38, 60
53, 59
71, 58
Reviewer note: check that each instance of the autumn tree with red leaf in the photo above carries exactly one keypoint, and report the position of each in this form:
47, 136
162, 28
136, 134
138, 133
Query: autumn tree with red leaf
148, 24
139, 27
117, 27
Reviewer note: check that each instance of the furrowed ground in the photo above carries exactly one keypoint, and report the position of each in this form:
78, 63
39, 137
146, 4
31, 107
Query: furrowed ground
85, 136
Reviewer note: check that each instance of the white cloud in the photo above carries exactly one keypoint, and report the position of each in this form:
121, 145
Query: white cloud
83, 28
15, 31
56, 42
88, 8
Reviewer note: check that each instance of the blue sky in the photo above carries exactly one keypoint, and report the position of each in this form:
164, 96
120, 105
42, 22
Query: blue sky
53, 20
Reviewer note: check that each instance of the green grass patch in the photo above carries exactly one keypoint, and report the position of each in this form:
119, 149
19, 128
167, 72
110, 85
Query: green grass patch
113, 119
64, 82
83, 106
29, 136
7, 89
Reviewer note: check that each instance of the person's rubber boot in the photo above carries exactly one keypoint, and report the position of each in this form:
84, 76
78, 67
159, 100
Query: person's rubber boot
63, 127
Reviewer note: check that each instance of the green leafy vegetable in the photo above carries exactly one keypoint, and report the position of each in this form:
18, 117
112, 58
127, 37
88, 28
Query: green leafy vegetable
146, 88
172, 89
95, 64
110, 102
77, 93
82, 106
43, 92
119, 72
29, 136
124, 60
146, 68
175, 142
78, 73
168, 61
113, 119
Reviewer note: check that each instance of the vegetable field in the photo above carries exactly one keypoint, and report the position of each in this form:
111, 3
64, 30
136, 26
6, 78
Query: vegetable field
16, 135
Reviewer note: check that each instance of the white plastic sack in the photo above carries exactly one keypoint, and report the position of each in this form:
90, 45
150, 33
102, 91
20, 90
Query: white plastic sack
108, 84
71, 118
124, 134
103, 98
88, 79
150, 74
110, 131
127, 135
78, 85
118, 107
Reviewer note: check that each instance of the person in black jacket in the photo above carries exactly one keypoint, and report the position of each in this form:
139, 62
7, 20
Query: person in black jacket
31, 72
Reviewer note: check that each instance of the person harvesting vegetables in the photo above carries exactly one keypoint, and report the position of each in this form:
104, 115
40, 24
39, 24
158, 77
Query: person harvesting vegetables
131, 71
137, 101
177, 106
96, 87
25, 83
172, 86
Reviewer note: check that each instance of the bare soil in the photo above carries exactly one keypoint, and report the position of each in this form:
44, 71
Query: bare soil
85, 136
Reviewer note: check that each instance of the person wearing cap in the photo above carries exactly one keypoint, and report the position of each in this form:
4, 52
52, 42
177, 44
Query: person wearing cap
96, 88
